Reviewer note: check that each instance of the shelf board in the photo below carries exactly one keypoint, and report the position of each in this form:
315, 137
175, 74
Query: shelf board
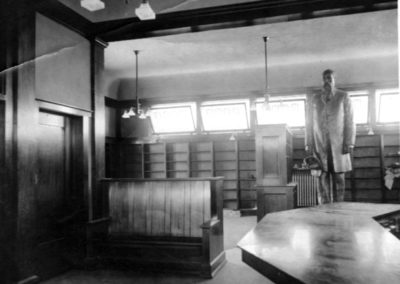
225, 160
201, 161
177, 152
201, 170
218, 170
201, 151
178, 171
154, 171
154, 162
177, 162
392, 156
364, 157
247, 170
365, 168
154, 153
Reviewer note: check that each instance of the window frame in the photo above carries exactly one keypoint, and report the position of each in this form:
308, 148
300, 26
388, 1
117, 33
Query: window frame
229, 102
362, 93
192, 106
284, 98
378, 95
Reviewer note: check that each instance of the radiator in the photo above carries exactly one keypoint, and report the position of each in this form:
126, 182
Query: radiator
307, 187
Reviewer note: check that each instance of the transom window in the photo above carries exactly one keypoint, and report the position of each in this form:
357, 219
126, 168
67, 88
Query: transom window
174, 118
359, 100
387, 105
225, 115
286, 109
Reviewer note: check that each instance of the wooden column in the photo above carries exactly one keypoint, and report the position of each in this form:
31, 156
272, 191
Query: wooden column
21, 158
98, 128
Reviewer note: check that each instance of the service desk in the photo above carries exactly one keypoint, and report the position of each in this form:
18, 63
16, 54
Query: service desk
162, 225
334, 243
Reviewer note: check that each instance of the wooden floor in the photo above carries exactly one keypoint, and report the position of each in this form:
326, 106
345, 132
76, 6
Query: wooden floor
234, 271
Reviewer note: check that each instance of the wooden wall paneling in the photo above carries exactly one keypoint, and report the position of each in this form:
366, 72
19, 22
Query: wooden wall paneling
197, 209
186, 209
136, 219
158, 198
98, 129
168, 207
177, 209
87, 167
25, 119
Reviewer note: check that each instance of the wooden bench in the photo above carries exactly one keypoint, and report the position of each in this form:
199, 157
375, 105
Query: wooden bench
161, 224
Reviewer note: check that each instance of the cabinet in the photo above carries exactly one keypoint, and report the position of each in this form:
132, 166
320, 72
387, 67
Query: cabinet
275, 198
273, 154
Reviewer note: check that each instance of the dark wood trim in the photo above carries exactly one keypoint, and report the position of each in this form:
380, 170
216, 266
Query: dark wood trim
62, 108
64, 15
236, 15
382, 162
268, 270
98, 127
110, 102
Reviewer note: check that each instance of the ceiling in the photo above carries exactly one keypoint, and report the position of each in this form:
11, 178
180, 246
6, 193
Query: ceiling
208, 36
122, 9
290, 43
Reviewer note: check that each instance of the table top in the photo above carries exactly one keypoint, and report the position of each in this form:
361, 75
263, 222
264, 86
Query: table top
333, 243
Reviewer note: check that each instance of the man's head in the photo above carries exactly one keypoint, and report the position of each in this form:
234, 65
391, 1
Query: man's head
328, 77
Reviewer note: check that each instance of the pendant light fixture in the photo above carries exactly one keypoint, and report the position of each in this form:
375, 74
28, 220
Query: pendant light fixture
266, 93
145, 12
92, 5
136, 109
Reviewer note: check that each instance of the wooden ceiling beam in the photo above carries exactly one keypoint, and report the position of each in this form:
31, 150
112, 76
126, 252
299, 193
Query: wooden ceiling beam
234, 15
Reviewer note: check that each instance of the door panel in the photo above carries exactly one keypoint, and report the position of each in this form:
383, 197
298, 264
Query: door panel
52, 170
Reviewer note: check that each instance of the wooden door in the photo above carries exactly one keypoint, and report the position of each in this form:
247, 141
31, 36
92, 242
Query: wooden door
57, 203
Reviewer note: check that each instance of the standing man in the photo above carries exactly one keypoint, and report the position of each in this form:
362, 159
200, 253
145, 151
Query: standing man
330, 137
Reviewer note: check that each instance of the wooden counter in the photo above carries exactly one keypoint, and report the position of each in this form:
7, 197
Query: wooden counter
173, 224
334, 243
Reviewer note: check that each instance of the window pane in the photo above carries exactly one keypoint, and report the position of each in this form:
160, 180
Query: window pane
290, 112
231, 116
388, 106
360, 107
172, 119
